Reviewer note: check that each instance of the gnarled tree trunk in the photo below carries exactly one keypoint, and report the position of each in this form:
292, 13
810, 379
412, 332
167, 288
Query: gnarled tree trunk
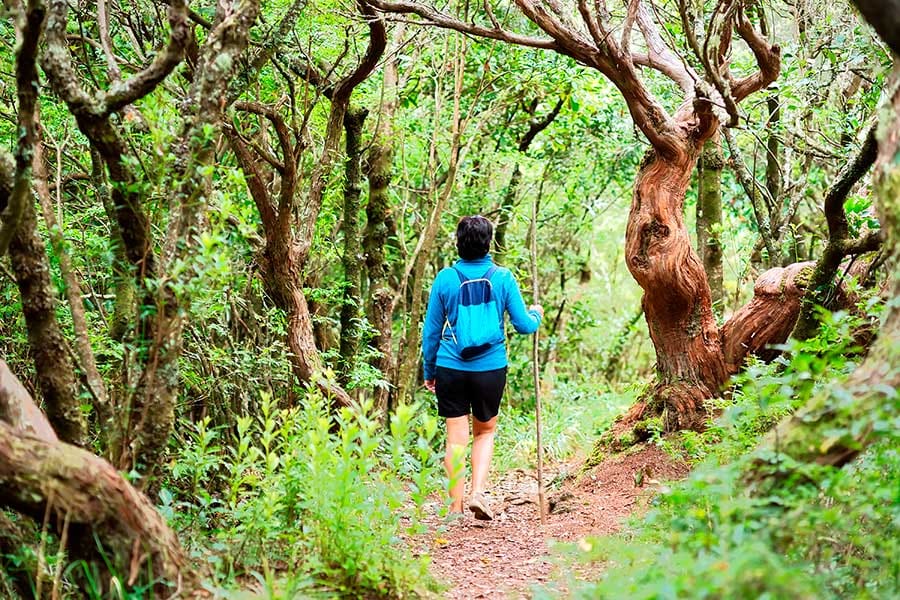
769, 317
676, 303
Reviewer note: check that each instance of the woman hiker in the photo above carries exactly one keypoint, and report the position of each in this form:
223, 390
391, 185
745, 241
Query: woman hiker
464, 349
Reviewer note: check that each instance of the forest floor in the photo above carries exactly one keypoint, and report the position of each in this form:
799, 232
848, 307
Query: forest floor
507, 557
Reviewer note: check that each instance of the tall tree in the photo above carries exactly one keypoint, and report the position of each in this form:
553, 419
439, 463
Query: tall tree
289, 212
149, 416
691, 363
380, 232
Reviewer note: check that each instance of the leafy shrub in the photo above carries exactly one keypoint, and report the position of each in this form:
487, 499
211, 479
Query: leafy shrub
293, 503
825, 533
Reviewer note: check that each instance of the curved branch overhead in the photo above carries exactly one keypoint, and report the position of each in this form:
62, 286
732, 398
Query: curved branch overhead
590, 35
768, 59
660, 57
432, 16
57, 62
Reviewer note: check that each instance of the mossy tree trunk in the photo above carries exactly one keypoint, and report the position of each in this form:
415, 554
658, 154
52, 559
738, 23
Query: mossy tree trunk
380, 233
709, 215
352, 259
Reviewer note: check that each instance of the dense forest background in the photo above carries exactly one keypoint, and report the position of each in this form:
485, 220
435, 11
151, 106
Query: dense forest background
219, 226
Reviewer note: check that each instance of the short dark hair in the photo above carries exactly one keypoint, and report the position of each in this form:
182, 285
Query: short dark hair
473, 237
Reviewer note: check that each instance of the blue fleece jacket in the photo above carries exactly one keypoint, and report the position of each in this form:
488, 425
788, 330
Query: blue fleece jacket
442, 306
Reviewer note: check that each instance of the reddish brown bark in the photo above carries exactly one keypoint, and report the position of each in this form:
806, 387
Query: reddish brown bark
676, 303
769, 317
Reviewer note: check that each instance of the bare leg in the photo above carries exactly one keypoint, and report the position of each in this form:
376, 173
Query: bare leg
482, 451
454, 459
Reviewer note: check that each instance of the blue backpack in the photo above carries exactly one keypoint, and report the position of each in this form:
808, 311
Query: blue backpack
478, 324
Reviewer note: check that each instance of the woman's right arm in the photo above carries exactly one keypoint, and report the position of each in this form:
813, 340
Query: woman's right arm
523, 320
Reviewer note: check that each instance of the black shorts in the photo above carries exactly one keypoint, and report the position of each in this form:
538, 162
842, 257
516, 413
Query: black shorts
461, 392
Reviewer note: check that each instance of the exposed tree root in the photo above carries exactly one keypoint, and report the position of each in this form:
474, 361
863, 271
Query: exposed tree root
109, 522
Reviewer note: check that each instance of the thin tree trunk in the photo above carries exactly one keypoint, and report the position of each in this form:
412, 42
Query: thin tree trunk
408, 354
821, 285
774, 178
85, 352
506, 208
124, 291
53, 364
509, 198
709, 216
350, 306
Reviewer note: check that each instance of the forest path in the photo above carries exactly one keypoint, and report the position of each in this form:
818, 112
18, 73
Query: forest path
505, 557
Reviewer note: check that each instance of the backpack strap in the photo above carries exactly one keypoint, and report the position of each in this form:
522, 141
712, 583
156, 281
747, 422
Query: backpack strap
487, 274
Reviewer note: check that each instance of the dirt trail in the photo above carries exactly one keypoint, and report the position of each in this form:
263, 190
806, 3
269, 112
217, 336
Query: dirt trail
505, 557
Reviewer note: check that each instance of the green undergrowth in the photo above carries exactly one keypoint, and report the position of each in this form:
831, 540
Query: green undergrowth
283, 504
572, 416
818, 532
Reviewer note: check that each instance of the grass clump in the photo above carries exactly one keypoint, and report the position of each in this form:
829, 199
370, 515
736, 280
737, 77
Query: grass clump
572, 415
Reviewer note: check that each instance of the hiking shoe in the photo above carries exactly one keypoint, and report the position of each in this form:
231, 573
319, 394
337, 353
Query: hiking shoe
478, 504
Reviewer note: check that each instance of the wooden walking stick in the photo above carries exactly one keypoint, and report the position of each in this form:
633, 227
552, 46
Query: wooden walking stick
535, 364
